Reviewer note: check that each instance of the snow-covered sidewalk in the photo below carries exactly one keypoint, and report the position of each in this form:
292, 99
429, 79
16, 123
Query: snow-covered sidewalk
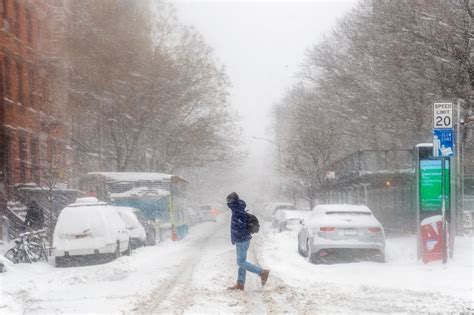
113, 287
400, 285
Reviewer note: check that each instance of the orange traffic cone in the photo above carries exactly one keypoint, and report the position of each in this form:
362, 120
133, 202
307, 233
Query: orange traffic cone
174, 237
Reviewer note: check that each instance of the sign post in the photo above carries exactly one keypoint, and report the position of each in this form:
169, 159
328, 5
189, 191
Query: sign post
444, 148
443, 207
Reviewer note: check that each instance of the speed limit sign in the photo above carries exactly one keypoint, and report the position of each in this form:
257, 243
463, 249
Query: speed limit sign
442, 115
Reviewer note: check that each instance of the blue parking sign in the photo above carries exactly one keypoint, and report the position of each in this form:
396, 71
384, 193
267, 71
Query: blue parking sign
443, 142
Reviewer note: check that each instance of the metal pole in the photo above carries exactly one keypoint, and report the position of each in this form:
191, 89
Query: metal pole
443, 207
457, 215
279, 166
417, 198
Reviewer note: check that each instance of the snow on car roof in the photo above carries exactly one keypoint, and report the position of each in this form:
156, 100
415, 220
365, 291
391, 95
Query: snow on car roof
274, 204
293, 214
87, 204
420, 145
343, 208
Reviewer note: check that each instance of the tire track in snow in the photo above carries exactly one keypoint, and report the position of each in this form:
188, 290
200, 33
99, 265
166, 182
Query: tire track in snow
159, 299
199, 284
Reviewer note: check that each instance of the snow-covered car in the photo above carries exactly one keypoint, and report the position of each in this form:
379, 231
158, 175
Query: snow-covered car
341, 231
88, 230
137, 231
150, 228
289, 220
207, 213
191, 216
270, 208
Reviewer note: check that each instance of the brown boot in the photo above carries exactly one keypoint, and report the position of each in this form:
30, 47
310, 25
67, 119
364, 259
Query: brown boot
237, 286
264, 276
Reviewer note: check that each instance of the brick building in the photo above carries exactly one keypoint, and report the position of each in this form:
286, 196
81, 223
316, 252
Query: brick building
32, 75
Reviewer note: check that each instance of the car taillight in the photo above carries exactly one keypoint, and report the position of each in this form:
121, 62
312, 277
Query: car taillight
327, 229
375, 230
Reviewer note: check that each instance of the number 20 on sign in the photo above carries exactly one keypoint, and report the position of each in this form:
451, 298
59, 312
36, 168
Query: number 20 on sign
442, 115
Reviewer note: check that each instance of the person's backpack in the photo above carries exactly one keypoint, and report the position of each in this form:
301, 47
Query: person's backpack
252, 223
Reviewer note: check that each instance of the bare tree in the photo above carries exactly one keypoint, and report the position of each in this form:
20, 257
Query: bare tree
156, 100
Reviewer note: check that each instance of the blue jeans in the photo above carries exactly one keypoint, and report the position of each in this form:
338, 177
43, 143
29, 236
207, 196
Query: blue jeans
244, 265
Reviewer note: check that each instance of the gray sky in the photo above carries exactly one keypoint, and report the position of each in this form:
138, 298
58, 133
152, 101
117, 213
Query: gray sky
261, 43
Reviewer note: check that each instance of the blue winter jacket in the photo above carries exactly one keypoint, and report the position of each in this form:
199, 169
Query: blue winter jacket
238, 225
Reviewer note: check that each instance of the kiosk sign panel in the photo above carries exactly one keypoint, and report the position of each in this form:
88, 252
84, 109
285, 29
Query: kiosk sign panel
431, 185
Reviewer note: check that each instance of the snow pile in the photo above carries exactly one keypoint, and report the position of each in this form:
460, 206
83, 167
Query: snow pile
406, 284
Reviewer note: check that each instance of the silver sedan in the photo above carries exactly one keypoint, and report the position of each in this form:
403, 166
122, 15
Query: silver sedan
341, 231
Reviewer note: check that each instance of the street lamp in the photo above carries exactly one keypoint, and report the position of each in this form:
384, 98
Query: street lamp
279, 158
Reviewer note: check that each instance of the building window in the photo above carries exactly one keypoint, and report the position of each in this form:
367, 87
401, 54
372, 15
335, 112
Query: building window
5, 156
19, 78
34, 159
5, 9
29, 28
31, 87
6, 77
16, 8
23, 157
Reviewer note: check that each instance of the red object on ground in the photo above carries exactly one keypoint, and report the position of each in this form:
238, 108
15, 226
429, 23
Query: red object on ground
174, 236
431, 231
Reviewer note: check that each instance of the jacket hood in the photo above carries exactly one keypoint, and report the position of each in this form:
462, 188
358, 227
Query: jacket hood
237, 205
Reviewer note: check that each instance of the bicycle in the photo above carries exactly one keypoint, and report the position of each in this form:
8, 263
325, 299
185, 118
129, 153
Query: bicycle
29, 247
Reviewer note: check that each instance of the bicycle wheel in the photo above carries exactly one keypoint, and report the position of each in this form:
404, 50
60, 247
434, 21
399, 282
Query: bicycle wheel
12, 255
34, 251
25, 256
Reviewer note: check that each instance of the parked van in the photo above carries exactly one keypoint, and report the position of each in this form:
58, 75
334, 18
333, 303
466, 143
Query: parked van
88, 230
135, 228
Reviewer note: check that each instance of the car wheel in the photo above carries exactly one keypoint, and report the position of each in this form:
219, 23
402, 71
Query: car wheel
312, 257
117, 251
306, 251
380, 257
59, 262
300, 250
128, 252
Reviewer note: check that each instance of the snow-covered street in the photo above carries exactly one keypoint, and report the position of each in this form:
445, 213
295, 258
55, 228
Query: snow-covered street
191, 276
236, 157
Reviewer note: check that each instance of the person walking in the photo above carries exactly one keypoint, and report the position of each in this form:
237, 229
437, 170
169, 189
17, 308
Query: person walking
240, 237
34, 216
